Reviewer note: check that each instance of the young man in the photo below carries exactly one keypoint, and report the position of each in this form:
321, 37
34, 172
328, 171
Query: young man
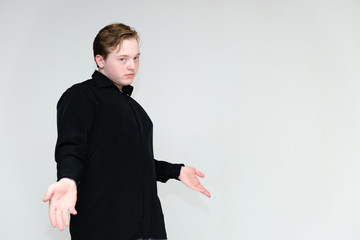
105, 165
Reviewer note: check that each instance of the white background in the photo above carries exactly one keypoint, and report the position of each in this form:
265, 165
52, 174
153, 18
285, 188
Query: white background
263, 96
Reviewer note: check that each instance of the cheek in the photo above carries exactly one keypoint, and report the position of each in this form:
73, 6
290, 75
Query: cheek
137, 65
117, 68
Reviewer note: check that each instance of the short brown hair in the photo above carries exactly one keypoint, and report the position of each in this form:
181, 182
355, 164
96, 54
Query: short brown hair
110, 37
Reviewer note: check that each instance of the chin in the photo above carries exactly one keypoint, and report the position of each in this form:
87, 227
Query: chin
130, 81
126, 82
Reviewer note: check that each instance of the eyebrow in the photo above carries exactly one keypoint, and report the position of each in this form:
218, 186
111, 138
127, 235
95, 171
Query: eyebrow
128, 55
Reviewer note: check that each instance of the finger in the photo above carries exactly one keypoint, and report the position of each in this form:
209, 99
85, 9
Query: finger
65, 216
206, 193
48, 194
52, 215
59, 219
199, 173
203, 190
72, 211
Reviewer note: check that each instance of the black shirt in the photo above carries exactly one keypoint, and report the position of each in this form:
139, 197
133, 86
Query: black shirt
105, 145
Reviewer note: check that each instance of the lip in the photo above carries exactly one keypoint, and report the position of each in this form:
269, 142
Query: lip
129, 75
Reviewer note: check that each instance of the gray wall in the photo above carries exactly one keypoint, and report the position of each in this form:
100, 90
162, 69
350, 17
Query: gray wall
263, 96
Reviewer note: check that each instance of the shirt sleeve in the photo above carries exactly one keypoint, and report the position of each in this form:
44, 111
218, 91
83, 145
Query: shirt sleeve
166, 171
74, 119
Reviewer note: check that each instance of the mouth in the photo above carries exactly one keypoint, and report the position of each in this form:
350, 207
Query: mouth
129, 75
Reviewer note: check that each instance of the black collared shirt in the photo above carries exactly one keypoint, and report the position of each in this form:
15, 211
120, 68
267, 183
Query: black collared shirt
105, 145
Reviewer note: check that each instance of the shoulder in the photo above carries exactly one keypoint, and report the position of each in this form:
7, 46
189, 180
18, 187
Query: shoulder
78, 92
81, 88
78, 88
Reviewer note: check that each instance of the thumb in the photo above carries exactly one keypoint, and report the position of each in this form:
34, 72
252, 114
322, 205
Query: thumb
199, 173
48, 194
72, 211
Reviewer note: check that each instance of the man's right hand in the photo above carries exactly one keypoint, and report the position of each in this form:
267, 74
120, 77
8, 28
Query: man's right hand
62, 199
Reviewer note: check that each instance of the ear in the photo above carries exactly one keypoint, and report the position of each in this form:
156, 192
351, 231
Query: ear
100, 61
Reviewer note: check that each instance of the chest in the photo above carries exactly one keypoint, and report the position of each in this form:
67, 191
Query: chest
118, 111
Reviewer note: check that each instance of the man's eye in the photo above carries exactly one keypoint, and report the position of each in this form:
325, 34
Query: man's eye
122, 59
136, 58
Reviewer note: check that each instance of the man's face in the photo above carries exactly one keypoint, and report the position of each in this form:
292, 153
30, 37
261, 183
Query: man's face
122, 63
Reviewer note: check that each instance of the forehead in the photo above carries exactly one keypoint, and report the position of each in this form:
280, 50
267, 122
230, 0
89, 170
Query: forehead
126, 47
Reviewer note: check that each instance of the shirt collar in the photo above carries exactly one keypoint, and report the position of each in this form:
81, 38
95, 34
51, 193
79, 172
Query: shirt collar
100, 80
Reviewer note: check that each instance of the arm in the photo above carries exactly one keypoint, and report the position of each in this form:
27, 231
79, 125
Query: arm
186, 174
74, 116
166, 171
74, 120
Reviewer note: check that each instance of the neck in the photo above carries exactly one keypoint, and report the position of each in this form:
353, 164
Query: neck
119, 86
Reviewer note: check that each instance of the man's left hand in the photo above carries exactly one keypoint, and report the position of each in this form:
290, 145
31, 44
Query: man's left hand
189, 176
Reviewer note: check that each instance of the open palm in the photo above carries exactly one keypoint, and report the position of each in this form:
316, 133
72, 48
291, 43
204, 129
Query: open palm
189, 176
62, 199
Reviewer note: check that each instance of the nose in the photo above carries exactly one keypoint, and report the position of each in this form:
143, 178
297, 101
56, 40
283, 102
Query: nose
131, 64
